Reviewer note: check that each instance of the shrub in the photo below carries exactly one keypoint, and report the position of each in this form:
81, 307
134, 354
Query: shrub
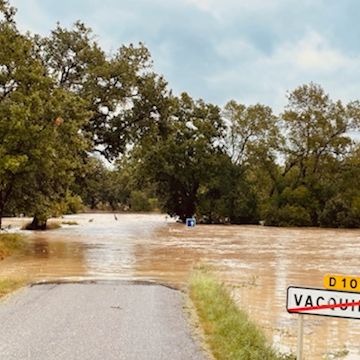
139, 201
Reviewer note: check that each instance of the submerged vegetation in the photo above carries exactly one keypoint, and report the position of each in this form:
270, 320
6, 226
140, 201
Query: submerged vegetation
9, 285
71, 222
67, 107
48, 225
228, 331
11, 244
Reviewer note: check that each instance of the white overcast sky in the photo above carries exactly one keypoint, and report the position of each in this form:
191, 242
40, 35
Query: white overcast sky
248, 50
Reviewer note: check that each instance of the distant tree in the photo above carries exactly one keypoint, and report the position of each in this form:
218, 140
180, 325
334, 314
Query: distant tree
225, 195
100, 187
177, 163
250, 131
63, 100
317, 145
253, 141
342, 205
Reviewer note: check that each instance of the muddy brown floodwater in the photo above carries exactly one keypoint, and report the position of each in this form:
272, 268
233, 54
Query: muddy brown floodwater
259, 262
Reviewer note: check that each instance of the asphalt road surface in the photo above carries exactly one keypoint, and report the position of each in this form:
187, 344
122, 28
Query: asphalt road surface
96, 321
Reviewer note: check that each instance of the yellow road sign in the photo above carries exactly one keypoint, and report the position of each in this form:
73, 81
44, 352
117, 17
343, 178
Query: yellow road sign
342, 282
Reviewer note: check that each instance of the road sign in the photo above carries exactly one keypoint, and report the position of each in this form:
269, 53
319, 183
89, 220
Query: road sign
342, 282
323, 302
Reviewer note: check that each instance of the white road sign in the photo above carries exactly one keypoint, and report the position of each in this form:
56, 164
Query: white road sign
323, 302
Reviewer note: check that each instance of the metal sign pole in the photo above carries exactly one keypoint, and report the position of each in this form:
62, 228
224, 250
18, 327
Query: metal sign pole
299, 354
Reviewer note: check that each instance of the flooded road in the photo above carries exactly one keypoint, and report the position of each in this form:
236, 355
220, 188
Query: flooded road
259, 262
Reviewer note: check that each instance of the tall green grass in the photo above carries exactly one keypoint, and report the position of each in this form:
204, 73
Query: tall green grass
230, 334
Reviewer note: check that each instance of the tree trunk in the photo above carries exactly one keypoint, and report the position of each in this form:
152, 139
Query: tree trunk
36, 224
2, 206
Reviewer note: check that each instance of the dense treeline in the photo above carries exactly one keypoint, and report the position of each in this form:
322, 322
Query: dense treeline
66, 106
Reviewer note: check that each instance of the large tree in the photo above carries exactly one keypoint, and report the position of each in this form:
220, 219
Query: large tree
110, 84
40, 137
253, 141
178, 163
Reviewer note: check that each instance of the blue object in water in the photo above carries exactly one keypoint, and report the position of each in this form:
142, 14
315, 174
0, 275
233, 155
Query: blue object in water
191, 222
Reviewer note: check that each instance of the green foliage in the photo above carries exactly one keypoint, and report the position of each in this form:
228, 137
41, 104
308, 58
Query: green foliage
69, 204
139, 201
292, 207
74, 204
288, 215
342, 207
76, 63
321, 164
252, 133
340, 212
89, 182
154, 204
62, 99
177, 163
100, 187
226, 196
7, 12
40, 128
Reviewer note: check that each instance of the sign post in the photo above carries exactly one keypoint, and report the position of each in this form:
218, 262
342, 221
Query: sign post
299, 352
310, 301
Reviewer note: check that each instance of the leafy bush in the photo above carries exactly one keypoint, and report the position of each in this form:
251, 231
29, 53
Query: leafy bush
74, 204
288, 215
339, 212
139, 201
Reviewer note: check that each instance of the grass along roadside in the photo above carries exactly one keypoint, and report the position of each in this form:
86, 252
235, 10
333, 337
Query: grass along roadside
229, 333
